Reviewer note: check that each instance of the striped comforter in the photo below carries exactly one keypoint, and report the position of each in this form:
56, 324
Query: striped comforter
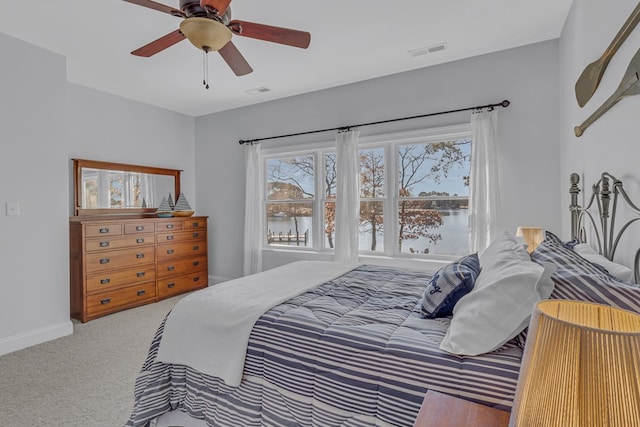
353, 352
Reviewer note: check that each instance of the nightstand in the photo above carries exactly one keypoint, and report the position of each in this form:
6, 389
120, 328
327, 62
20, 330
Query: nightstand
442, 410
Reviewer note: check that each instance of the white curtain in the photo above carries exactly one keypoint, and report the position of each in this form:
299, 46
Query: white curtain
484, 193
253, 210
347, 195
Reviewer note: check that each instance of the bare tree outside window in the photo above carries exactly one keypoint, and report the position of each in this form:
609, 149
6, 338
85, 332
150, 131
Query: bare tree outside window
422, 170
290, 195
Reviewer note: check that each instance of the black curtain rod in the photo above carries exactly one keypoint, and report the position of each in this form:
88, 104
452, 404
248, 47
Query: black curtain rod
503, 104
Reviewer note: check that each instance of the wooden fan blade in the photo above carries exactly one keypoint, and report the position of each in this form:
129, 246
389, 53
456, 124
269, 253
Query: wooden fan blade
235, 60
270, 33
160, 44
160, 7
219, 5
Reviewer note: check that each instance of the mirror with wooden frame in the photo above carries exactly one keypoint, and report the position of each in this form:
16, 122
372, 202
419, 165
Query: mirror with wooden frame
106, 188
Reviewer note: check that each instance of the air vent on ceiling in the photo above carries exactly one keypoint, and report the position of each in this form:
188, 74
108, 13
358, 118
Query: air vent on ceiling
258, 90
429, 49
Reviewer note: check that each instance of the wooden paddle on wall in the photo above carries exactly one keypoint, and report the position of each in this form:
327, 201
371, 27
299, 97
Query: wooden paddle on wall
590, 78
630, 85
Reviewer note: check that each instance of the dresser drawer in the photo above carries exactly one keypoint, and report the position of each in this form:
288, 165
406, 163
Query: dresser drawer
142, 227
177, 285
194, 223
181, 236
119, 278
182, 266
106, 229
107, 260
169, 225
109, 301
175, 250
118, 242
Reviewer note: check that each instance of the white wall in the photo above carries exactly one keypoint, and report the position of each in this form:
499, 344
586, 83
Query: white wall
612, 143
528, 133
44, 122
34, 251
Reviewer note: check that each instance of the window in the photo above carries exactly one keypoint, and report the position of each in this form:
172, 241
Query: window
433, 197
329, 201
290, 200
372, 192
414, 194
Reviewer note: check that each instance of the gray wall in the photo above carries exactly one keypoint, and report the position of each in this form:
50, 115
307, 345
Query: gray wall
611, 143
44, 122
528, 135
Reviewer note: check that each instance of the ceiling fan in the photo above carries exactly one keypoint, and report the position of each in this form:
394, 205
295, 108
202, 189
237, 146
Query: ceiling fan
208, 26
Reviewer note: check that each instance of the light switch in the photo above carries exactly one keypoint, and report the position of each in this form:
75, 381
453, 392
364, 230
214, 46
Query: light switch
13, 208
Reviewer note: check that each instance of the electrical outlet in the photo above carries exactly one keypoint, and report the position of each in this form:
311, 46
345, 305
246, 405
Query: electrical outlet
13, 208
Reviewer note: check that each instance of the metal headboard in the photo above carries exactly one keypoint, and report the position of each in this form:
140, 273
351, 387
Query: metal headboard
606, 205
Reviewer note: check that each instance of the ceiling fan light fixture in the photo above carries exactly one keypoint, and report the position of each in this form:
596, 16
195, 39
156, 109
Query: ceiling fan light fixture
205, 33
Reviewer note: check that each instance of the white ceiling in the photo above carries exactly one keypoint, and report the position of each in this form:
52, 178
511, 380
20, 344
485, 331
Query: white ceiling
350, 41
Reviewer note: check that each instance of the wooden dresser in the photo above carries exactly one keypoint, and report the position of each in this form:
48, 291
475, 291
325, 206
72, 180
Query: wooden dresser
117, 264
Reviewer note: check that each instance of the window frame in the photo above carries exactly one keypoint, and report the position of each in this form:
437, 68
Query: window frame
390, 143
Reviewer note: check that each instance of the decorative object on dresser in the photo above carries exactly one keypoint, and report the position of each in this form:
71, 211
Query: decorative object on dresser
164, 210
182, 207
580, 367
122, 253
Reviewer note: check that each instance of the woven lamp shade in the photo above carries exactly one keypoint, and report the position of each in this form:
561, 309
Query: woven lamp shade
581, 367
532, 236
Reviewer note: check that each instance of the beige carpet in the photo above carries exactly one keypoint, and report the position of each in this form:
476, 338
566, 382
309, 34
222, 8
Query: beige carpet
82, 380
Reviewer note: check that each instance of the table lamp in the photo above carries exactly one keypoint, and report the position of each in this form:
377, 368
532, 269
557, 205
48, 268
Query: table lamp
581, 367
532, 236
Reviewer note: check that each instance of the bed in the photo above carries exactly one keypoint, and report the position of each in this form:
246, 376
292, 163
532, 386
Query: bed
350, 345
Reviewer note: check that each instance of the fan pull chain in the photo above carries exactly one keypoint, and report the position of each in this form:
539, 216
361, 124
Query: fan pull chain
205, 68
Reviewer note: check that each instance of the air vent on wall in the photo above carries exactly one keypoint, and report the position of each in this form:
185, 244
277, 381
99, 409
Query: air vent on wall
258, 90
430, 49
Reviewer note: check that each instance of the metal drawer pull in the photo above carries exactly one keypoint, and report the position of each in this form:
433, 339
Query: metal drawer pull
194, 224
104, 260
139, 227
196, 263
195, 234
140, 274
104, 230
140, 255
169, 251
139, 240
142, 292
195, 248
171, 268
171, 285
105, 281
196, 279
104, 244
169, 226
169, 237
104, 301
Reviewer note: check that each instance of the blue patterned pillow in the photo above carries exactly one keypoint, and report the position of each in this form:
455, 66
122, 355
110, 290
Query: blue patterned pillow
578, 279
448, 285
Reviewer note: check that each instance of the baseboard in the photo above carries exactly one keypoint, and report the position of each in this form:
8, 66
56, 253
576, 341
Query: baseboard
37, 336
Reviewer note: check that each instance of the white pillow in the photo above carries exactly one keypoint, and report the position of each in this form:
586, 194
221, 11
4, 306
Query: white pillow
500, 305
503, 245
618, 270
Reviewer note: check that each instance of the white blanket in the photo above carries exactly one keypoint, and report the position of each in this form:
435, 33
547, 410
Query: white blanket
209, 329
